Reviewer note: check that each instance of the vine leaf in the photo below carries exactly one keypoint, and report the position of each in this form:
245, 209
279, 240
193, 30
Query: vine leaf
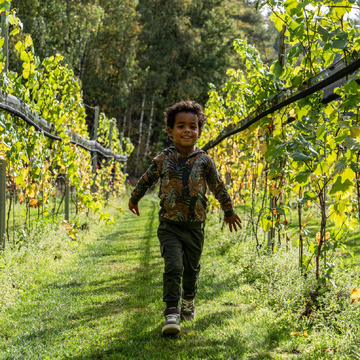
298, 155
340, 186
355, 295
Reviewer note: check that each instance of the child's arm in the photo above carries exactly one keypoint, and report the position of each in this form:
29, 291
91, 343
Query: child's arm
149, 178
233, 222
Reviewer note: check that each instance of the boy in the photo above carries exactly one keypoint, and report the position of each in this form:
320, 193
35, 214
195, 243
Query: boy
184, 171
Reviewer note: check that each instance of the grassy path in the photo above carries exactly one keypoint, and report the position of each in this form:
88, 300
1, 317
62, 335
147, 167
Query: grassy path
103, 301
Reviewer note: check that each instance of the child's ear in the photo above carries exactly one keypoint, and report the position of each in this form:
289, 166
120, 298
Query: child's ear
169, 131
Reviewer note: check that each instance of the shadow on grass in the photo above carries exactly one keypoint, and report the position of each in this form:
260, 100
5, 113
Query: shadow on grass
128, 298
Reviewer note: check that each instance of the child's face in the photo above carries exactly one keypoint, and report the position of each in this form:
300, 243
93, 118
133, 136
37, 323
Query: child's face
186, 131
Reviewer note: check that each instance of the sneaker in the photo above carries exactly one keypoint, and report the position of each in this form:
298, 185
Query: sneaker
187, 311
172, 321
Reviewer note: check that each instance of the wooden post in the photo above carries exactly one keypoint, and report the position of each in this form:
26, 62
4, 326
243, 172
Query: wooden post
94, 157
5, 35
110, 143
271, 231
111, 133
67, 200
2, 202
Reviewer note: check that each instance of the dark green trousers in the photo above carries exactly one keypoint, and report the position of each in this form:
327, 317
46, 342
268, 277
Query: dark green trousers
181, 247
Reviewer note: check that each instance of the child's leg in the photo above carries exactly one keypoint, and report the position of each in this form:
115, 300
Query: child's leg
171, 250
192, 248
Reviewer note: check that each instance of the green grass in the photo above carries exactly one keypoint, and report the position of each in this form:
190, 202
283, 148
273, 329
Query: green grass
100, 298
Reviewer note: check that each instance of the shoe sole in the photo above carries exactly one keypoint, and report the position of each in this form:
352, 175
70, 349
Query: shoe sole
170, 329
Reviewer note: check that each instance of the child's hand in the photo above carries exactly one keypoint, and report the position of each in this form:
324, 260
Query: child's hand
233, 221
134, 208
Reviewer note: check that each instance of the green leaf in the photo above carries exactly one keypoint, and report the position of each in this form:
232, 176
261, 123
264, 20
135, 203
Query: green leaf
28, 41
354, 166
302, 178
291, 6
325, 35
298, 155
351, 143
276, 69
19, 46
340, 186
294, 52
5, 6
278, 19
340, 167
14, 32
340, 41
24, 56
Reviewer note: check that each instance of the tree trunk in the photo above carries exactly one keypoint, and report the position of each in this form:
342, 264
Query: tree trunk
140, 132
129, 121
150, 125
122, 134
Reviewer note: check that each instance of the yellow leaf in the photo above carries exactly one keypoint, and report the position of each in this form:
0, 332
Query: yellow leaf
34, 203
21, 198
263, 148
294, 333
31, 191
67, 225
275, 192
355, 131
4, 147
292, 113
28, 41
355, 295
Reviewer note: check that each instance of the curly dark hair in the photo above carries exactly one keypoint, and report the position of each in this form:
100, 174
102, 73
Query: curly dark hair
184, 106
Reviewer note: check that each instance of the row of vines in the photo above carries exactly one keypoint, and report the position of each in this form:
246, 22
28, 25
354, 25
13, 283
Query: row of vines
308, 166
34, 162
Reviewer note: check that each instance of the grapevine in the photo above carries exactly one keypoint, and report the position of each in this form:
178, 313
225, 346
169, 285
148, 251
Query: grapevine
310, 164
34, 162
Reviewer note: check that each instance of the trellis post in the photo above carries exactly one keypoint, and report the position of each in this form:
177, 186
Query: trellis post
94, 157
5, 35
2, 202
110, 142
111, 133
67, 200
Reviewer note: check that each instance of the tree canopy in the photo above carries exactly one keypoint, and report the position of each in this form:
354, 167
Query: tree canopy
153, 52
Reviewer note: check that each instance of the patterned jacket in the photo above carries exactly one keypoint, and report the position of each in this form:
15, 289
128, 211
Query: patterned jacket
183, 183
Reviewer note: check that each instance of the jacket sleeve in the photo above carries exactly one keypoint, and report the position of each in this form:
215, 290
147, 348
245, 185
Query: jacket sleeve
148, 179
217, 187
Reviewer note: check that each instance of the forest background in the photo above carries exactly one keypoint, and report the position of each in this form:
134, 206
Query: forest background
135, 58
297, 189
